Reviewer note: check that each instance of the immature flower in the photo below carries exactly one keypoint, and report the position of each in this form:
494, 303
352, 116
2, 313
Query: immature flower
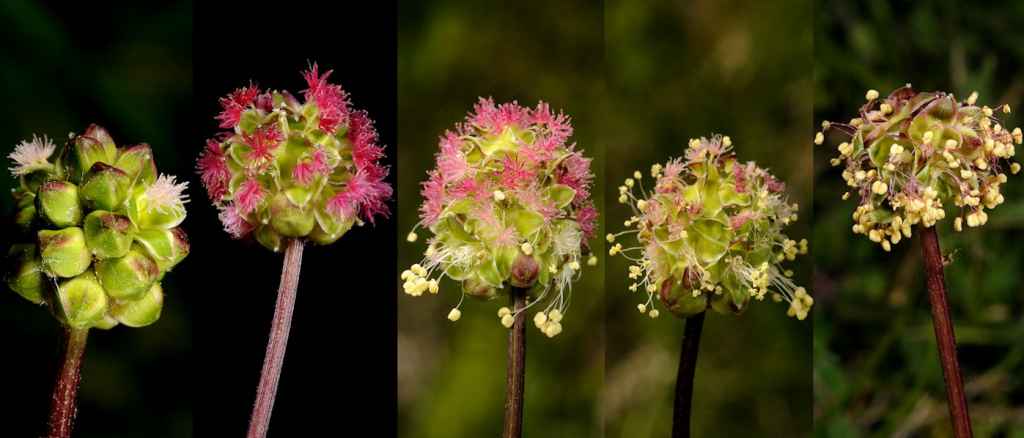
509, 206
710, 233
98, 230
911, 155
291, 169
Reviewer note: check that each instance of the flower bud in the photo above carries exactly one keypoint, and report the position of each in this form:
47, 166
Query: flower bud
329, 228
107, 322
137, 162
478, 289
87, 151
524, 271
128, 276
141, 311
26, 274
81, 301
57, 202
64, 252
269, 238
165, 247
289, 219
679, 299
25, 217
104, 187
107, 234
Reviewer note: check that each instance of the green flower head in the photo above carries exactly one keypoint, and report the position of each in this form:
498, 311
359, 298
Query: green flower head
97, 230
710, 234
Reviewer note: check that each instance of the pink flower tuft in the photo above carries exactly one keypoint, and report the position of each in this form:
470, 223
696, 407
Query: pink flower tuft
250, 194
365, 194
560, 126
316, 165
739, 176
233, 222
493, 118
586, 216
532, 199
365, 150
774, 184
329, 98
213, 170
736, 222
575, 173
514, 174
262, 143
451, 162
234, 104
432, 191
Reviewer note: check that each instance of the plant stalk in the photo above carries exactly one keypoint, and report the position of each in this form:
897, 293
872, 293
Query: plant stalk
944, 335
684, 378
516, 372
274, 358
63, 406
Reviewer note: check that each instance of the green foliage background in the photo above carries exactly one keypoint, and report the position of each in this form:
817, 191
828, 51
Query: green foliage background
451, 377
876, 365
685, 70
128, 69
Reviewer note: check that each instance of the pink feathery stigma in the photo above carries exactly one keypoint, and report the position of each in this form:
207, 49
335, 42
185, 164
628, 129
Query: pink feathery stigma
363, 135
262, 143
736, 222
234, 104
739, 176
674, 168
514, 174
233, 222
560, 126
249, 196
265, 102
586, 216
213, 170
774, 184
575, 173
307, 169
365, 194
451, 162
432, 191
532, 199
494, 119
467, 188
329, 98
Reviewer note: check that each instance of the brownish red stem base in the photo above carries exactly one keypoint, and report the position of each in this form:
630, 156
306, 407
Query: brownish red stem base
684, 378
274, 359
944, 335
63, 405
516, 372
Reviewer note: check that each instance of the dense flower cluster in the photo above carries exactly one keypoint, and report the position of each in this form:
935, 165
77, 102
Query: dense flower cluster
710, 233
911, 154
509, 206
291, 169
98, 229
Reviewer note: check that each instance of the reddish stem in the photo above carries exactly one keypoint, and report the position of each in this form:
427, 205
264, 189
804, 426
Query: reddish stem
944, 335
65, 392
516, 372
279, 329
684, 378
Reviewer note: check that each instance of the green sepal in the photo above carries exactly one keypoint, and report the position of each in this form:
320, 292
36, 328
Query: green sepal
137, 162
269, 238
64, 252
562, 195
88, 150
127, 277
57, 202
478, 289
288, 219
81, 301
26, 272
104, 187
107, 234
141, 311
526, 221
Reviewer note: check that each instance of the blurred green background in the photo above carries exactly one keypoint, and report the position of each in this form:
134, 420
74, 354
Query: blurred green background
128, 69
451, 377
685, 70
876, 366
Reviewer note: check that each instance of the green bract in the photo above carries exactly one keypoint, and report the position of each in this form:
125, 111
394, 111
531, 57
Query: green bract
97, 230
710, 234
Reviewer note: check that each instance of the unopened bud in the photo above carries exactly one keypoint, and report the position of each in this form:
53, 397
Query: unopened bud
141, 311
64, 252
129, 276
104, 187
57, 202
107, 234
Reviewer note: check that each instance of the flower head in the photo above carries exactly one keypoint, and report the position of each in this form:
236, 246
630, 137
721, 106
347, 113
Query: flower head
710, 234
508, 205
910, 155
287, 168
98, 230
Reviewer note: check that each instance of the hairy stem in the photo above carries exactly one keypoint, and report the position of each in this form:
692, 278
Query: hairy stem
65, 392
279, 329
944, 335
516, 373
684, 379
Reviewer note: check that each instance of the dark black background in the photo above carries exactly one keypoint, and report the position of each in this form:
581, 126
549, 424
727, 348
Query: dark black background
339, 368
154, 74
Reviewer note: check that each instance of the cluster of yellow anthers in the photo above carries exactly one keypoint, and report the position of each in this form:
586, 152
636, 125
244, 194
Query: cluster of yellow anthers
416, 283
911, 153
710, 234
